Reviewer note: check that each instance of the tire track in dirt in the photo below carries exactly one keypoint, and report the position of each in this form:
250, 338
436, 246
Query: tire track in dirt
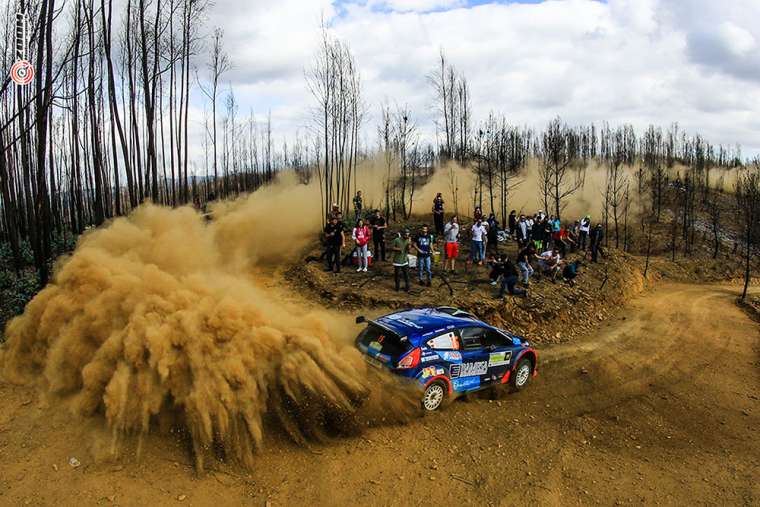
664, 415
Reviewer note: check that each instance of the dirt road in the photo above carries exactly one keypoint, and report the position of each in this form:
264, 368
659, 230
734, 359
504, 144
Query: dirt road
662, 406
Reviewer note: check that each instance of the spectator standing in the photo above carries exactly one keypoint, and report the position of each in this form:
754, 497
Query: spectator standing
584, 228
573, 235
597, 235
522, 232
477, 214
361, 236
400, 249
334, 210
477, 248
530, 221
509, 281
556, 228
451, 239
493, 234
512, 222
564, 240
438, 214
379, 225
358, 204
423, 244
524, 258
548, 233
335, 240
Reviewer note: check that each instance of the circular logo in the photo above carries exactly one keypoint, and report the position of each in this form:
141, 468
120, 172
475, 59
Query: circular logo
22, 72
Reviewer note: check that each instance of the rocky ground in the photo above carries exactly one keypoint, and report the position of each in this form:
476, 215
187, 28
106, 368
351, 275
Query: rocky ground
659, 406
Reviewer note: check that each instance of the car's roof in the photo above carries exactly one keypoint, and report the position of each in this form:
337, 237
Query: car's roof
422, 322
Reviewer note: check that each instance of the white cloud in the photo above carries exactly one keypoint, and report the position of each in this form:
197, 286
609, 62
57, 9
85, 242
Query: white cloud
414, 5
738, 40
638, 61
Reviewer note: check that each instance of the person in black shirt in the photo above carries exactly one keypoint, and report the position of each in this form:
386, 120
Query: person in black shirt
493, 234
438, 214
334, 240
537, 234
509, 280
547, 234
379, 225
512, 222
497, 264
358, 205
524, 258
597, 235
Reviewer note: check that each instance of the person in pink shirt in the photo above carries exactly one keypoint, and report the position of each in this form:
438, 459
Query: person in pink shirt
361, 237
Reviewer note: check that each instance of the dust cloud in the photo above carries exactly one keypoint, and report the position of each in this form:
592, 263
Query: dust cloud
160, 317
459, 188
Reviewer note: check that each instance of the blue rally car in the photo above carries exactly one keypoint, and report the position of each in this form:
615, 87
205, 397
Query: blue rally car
447, 352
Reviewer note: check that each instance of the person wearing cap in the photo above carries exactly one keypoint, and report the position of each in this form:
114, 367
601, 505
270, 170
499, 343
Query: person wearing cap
400, 249
334, 240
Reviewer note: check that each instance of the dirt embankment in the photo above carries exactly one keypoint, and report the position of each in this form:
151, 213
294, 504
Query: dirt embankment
553, 312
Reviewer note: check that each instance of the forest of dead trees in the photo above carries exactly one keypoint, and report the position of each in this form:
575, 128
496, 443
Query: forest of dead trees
105, 126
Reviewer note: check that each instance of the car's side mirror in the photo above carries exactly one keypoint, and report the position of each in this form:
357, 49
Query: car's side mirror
360, 319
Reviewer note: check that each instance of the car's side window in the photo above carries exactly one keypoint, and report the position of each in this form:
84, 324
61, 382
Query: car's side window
472, 337
495, 338
446, 341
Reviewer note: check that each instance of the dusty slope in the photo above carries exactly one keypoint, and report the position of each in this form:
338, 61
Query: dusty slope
667, 411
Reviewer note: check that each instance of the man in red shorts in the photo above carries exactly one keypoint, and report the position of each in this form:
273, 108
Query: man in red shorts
451, 239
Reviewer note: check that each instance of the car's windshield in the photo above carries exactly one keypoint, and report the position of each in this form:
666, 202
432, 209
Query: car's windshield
383, 341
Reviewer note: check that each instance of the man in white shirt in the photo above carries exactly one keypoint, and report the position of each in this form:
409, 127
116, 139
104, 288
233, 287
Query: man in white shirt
551, 263
477, 248
451, 238
584, 230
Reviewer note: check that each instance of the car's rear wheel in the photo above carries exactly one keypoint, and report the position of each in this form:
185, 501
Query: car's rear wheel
434, 396
522, 374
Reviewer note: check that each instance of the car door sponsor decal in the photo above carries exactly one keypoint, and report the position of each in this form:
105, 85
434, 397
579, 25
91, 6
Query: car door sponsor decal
452, 357
429, 356
499, 358
469, 369
467, 383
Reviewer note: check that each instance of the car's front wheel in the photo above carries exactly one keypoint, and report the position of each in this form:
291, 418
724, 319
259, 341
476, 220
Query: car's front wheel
434, 396
521, 375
